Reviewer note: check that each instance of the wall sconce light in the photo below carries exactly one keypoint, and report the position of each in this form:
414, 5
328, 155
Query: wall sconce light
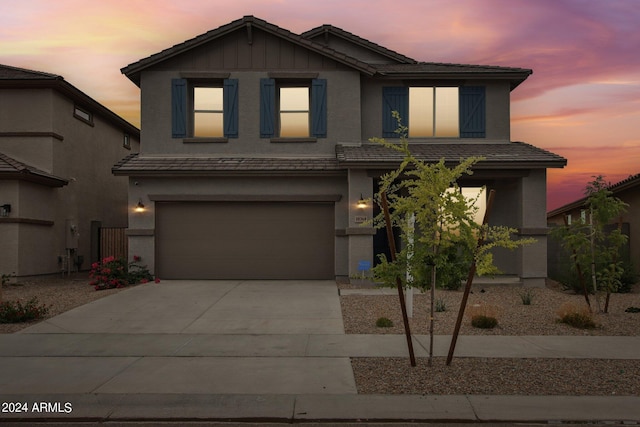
362, 203
139, 207
5, 209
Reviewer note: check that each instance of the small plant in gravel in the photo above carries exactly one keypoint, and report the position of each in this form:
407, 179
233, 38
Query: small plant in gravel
114, 272
632, 310
384, 322
440, 305
482, 321
578, 317
16, 312
526, 297
483, 316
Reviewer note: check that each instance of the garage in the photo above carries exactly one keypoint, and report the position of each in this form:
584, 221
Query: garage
245, 240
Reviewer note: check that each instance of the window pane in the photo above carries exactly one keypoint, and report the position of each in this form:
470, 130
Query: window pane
207, 125
294, 99
446, 114
420, 111
294, 112
207, 99
477, 194
294, 124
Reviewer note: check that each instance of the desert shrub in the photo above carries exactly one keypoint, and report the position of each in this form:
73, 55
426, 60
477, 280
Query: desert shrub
484, 322
632, 310
440, 305
576, 316
483, 316
16, 312
526, 297
384, 322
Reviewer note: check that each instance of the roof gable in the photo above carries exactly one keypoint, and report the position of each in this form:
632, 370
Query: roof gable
247, 24
356, 46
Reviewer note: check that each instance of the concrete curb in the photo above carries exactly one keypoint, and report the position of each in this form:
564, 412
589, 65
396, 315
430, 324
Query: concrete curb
323, 408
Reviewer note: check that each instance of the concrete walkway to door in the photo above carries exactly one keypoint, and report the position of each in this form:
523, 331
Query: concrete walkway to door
208, 307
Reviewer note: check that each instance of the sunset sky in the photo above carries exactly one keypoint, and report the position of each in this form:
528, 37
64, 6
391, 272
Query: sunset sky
582, 101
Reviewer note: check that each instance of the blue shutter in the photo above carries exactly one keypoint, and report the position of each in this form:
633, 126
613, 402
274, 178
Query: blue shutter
267, 107
319, 108
230, 107
394, 99
472, 112
179, 108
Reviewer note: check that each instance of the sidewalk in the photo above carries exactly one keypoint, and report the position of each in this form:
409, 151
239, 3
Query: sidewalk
286, 376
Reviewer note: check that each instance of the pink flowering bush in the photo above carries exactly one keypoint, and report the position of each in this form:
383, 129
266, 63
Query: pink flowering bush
114, 272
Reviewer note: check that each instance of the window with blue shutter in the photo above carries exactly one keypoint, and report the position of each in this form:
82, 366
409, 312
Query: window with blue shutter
319, 108
394, 99
179, 108
472, 112
230, 101
267, 107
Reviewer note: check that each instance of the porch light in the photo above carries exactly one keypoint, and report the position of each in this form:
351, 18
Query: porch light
5, 209
362, 203
139, 207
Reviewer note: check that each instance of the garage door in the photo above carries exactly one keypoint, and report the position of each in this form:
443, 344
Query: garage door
252, 240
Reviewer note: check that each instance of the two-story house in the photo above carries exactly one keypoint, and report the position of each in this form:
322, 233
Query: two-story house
255, 151
57, 147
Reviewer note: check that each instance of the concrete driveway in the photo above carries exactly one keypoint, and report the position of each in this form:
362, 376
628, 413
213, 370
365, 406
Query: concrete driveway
208, 307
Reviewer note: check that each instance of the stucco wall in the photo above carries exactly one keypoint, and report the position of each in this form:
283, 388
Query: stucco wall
497, 110
343, 114
78, 152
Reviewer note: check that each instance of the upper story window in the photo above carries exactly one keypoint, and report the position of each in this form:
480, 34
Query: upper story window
83, 115
294, 112
203, 110
433, 111
293, 109
454, 112
208, 112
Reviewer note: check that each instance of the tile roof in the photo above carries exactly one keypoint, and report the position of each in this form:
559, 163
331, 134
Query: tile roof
496, 155
136, 164
11, 168
339, 32
132, 71
14, 73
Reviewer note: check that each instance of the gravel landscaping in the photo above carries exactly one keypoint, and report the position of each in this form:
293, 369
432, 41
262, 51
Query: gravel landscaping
497, 376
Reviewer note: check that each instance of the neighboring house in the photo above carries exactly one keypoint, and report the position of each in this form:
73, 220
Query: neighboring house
255, 151
627, 190
57, 147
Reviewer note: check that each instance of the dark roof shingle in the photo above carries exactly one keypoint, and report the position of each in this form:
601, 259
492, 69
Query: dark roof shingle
11, 168
135, 164
496, 155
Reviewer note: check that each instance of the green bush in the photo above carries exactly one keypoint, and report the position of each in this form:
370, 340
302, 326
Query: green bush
384, 322
483, 321
632, 310
16, 312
